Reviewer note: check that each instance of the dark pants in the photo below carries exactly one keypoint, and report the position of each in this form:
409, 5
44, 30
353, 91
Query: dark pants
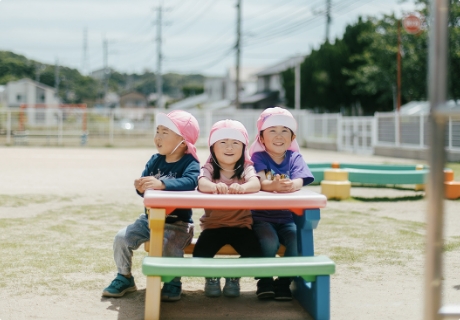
243, 240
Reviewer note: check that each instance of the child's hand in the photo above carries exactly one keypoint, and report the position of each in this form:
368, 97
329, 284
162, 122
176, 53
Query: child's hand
144, 183
283, 185
221, 188
236, 188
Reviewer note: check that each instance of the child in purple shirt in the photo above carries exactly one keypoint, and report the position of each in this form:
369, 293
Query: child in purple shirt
281, 168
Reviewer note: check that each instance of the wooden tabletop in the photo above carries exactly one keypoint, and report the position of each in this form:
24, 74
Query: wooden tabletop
294, 201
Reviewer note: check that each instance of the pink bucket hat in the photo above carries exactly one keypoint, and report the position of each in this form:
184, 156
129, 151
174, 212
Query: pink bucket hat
274, 117
230, 129
184, 124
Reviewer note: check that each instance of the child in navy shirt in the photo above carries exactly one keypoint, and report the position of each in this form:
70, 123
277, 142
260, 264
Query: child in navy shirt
175, 168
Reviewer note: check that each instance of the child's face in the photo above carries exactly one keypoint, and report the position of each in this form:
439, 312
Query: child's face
228, 151
167, 140
277, 139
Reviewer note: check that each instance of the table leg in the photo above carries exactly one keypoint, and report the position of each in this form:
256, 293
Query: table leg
153, 290
305, 225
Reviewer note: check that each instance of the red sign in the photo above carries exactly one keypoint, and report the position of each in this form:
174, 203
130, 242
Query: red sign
412, 24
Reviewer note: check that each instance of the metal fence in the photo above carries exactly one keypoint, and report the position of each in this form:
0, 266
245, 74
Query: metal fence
135, 128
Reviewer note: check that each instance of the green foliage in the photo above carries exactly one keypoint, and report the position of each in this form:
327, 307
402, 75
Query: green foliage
14, 67
77, 88
361, 67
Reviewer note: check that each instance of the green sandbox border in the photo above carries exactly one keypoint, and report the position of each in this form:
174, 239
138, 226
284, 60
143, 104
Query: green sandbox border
377, 174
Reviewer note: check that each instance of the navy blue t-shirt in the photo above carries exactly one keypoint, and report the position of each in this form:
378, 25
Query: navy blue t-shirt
292, 167
181, 175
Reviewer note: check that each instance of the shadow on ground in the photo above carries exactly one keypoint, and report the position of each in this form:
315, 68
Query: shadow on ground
194, 305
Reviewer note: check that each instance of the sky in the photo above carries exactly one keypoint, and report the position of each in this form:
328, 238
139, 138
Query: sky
198, 35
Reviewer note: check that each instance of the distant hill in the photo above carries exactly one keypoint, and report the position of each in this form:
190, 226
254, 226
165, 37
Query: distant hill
77, 88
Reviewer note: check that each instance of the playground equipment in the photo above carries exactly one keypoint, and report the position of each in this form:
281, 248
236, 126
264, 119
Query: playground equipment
336, 184
335, 178
311, 285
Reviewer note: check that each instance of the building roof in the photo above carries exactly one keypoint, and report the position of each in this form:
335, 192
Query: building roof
423, 107
281, 66
38, 84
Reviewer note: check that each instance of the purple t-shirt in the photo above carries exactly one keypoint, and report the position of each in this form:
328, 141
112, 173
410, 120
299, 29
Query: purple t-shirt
292, 167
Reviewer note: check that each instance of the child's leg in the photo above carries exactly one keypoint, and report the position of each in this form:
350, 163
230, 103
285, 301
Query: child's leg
208, 244
210, 241
245, 242
177, 236
127, 240
267, 236
287, 233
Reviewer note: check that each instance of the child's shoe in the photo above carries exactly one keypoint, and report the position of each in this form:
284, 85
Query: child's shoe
282, 290
119, 286
265, 289
212, 287
171, 291
232, 287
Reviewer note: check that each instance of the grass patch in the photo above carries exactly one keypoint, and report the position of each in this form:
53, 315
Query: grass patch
48, 250
25, 200
452, 244
356, 239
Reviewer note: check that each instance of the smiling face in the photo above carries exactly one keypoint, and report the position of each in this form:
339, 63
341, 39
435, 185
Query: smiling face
277, 139
228, 152
167, 140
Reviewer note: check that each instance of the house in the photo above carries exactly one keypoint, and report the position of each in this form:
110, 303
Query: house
224, 88
2, 97
30, 93
133, 99
270, 91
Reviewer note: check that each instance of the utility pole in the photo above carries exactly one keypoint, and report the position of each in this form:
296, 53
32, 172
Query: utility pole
328, 18
38, 70
238, 54
297, 82
159, 76
398, 61
105, 53
84, 62
56, 77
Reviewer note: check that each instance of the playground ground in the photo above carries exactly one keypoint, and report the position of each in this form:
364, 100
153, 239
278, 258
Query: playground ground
61, 207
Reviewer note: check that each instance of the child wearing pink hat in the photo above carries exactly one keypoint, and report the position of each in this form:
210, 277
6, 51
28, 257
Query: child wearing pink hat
175, 168
228, 170
281, 168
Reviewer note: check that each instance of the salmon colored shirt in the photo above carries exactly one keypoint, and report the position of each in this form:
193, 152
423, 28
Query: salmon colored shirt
213, 219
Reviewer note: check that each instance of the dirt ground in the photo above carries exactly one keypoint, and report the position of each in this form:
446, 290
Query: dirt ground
362, 288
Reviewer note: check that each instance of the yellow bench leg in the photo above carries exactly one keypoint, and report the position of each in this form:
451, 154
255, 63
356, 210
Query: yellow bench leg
153, 289
152, 298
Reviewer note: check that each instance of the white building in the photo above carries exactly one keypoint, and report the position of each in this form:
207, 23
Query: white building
270, 90
30, 93
224, 88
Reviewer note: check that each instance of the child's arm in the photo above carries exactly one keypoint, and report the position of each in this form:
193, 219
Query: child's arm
207, 186
251, 186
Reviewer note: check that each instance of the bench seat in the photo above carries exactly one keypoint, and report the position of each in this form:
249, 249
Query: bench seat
306, 267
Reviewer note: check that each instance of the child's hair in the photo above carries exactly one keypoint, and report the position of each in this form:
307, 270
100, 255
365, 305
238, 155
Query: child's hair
239, 165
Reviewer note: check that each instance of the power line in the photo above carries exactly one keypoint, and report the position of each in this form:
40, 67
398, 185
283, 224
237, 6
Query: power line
299, 25
186, 27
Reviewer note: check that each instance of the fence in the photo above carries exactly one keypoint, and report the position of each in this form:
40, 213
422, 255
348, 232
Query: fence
135, 128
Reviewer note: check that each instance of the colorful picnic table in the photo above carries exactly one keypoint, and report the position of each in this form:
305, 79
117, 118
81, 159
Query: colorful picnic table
314, 296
